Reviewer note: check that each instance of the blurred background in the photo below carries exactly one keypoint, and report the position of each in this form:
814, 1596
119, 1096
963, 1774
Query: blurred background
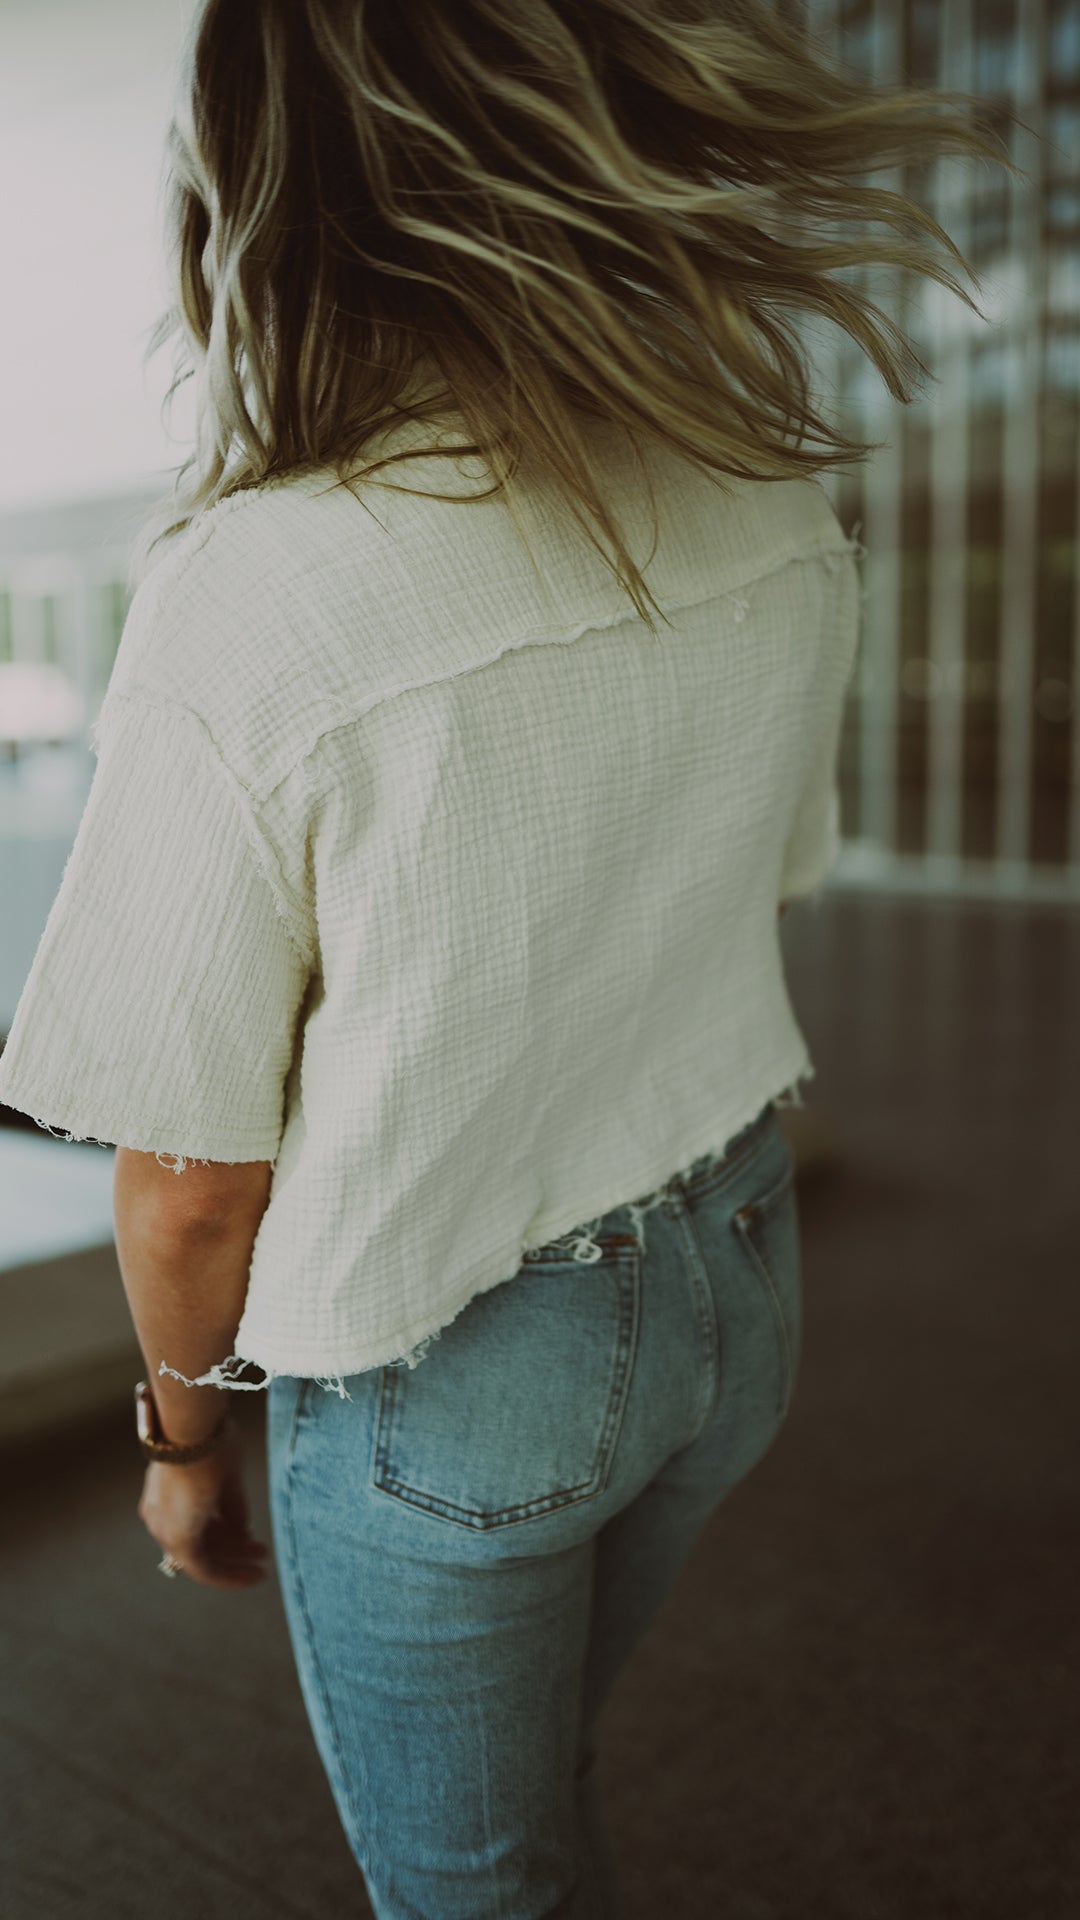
871, 1664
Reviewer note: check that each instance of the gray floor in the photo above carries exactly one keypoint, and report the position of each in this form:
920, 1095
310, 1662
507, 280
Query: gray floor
862, 1700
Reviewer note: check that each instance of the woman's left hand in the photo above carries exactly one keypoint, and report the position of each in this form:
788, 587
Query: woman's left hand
199, 1515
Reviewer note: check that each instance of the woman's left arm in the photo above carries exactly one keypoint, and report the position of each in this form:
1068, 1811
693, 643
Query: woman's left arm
165, 1005
184, 1245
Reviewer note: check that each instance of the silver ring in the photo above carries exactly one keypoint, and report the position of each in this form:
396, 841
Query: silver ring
169, 1566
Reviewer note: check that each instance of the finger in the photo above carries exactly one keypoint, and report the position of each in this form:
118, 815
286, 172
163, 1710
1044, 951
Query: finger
235, 1555
222, 1540
213, 1560
232, 1503
213, 1573
233, 1517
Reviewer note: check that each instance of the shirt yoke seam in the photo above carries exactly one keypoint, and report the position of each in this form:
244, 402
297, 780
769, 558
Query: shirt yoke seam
828, 551
831, 550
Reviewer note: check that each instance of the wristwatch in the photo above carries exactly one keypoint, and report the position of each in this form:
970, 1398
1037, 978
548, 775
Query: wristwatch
152, 1440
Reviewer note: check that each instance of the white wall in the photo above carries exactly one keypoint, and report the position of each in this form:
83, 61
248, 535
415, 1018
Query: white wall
86, 93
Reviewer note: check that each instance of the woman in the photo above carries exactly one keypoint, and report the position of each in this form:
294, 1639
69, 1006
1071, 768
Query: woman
423, 912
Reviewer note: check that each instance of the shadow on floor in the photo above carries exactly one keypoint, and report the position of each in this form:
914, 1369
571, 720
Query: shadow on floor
862, 1699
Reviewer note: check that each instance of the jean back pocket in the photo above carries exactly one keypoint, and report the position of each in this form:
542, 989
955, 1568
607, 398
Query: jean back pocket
515, 1410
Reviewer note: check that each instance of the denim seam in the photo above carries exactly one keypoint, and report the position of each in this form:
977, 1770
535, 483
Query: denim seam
358, 1838
630, 1266
742, 1223
706, 1313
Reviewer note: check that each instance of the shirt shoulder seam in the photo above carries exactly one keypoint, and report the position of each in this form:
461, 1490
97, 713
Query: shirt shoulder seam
261, 852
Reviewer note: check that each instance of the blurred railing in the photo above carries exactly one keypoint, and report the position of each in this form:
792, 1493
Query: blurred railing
63, 612
61, 616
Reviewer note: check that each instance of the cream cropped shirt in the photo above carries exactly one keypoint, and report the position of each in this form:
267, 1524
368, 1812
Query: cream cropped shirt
427, 874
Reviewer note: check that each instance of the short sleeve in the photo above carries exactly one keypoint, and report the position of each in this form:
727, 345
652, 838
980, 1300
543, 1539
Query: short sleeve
160, 1010
813, 844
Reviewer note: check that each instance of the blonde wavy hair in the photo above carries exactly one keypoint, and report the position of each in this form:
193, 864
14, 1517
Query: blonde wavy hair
563, 210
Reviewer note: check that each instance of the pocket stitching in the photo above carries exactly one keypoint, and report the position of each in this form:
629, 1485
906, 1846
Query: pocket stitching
627, 1270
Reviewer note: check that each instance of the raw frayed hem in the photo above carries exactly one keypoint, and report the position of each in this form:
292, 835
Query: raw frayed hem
580, 1242
222, 1376
57, 1133
180, 1162
792, 1095
415, 1354
163, 1157
219, 1376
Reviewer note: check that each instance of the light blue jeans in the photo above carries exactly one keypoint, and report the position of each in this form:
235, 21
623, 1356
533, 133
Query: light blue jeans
469, 1549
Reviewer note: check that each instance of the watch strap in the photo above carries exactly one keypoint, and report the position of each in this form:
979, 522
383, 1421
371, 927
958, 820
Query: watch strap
152, 1440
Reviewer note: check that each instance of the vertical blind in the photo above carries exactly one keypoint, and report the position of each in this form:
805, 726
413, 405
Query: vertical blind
960, 761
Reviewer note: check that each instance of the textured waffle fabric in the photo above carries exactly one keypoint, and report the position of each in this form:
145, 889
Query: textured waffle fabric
418, 867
